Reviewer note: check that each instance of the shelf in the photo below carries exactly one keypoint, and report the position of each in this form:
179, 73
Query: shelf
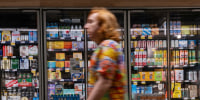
146, 82
65, 39
27, 57
63, 69
150, 37
69, 50
16, 70
185, 37
67, 80
157, 67
186, 81
64, 29
17, 42
178, 48
185, 66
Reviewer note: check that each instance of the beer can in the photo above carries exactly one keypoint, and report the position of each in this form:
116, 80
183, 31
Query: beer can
191, 75
161, 53
186, 53
172, 44
160, 44
165, 62
182, 54
152, 61
149, 61
160, 62
193, 54
182, 61
144, 62
136, 53
138, 44
144, 54
176, 44
195, 75
185, 61
156, 61
135, 43
140, 54
165, 54
144, 43
136, 61
177, 57
140, 62
132, 44
148, 43
156, 44
152, 44
164, 44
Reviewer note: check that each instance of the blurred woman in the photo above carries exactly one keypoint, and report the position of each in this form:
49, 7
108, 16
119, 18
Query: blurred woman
106, 77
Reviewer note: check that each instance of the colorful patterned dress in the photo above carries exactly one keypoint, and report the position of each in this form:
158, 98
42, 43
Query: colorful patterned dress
108, 61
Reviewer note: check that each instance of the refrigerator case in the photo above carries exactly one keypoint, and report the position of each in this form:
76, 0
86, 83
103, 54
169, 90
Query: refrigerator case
148, 55
64, 57
184, 34
19, 79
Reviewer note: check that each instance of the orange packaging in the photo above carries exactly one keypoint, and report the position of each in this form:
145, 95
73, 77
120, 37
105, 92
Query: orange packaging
50, 45
68, 45
67, 63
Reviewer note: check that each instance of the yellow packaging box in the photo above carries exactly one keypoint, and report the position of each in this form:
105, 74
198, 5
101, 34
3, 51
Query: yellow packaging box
77, 55
60, 56
151, 76
60, 64
143, 76
59, 45
50, 45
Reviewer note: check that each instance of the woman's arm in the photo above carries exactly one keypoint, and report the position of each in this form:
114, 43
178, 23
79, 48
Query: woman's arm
100, 88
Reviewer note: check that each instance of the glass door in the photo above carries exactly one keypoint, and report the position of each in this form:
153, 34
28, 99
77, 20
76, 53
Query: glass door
21, 69
184, 59
64, 54
148, 54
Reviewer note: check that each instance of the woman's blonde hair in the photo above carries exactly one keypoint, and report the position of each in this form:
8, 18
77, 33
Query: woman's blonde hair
108, 25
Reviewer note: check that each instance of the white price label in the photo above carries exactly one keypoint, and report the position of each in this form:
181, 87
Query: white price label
74, 79
78, 38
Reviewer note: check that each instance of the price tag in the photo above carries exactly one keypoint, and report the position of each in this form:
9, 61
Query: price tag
150, 37
22, 41
74, 79
13, 57
30, 57
143, 82
62, 38
14, 70
3, 42
66, 69
62, 80
135, 83
142, 37
57, 69
133, 37
23, 56
23, 87
50, 49
78, 38
13, 43
158, 82
5, 58
64, 49
31, 41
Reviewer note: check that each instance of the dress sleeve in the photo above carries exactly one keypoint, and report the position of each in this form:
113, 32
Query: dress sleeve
107, 62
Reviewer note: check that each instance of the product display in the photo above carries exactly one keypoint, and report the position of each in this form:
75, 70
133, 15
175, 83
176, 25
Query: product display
65, 58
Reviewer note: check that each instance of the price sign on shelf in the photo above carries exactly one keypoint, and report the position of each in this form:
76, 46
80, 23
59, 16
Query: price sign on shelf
30, 57
66, 69
13, 43
133, 37
142, 37
150, 37
143, 82
135, 83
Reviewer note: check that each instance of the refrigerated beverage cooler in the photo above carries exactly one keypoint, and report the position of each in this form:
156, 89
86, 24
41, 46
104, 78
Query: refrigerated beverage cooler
148, 55
184, 55
64, 54
20, 73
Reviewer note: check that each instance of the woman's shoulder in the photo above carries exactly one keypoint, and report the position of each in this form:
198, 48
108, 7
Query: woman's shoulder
109, 43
